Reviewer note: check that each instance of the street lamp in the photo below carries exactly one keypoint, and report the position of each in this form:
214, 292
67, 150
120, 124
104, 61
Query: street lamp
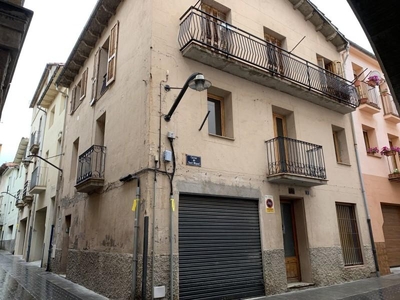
10, 195
196, 81
26, 162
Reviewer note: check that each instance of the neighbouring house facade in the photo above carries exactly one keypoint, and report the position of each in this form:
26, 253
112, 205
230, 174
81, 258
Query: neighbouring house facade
12, 176
242, 190
37, 217
377, 126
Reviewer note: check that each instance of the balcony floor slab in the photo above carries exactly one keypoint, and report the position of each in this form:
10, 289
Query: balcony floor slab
298, 180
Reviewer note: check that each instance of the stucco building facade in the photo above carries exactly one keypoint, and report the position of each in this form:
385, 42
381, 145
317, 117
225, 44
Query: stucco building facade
36, 217
249, 187
377, 126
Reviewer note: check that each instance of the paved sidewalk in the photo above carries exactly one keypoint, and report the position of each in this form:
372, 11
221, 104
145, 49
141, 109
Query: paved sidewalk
26, 281
382, 288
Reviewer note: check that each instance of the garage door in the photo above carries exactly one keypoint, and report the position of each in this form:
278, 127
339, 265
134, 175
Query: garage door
391, 230
219, 248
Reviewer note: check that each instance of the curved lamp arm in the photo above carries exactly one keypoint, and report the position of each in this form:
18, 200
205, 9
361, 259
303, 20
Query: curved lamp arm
168, 116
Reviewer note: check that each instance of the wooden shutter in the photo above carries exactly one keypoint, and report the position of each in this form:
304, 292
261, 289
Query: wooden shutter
72, 101
95, 76
83, 85
112, 55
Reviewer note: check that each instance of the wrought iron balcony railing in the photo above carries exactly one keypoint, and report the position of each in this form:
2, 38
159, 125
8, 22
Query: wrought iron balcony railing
290, 156
368, 95
26, 196
220, 37
39, 177
91, 164
35, 142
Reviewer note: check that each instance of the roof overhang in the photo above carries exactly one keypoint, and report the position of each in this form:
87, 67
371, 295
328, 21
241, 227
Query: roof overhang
21, 150
46, 90
92, 31
380, 22
321, 22
14, 24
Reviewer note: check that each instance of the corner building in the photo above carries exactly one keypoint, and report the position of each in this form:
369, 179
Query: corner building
274, 127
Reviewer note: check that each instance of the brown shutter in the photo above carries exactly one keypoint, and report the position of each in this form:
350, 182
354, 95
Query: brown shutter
95, 76
112, 55
72, 101
83, 85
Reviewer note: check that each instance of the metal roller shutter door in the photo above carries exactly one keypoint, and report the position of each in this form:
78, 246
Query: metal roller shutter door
219, 248
391, 231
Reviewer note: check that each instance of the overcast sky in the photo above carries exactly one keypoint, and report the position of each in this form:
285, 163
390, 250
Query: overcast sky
55, 27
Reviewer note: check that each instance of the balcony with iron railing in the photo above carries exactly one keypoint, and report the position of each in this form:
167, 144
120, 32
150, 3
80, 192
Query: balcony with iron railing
26, 195
38, 180
391, 113
91, 167
18, 201
369, 98
209, 40
295, 162
35, 142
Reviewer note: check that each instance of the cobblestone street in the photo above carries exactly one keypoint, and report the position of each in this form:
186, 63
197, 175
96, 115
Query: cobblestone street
25, 281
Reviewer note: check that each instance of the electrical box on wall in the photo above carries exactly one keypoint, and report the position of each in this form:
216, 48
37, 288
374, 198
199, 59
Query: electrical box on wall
167, 155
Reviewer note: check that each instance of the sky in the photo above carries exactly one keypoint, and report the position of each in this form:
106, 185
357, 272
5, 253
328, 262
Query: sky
54, 30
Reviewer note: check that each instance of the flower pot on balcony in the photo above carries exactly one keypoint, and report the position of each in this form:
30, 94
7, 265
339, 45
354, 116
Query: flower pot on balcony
389, 153
394, 176
363, 100
372, 83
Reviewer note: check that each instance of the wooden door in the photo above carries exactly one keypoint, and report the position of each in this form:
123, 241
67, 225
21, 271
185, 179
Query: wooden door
290, 242
391, 231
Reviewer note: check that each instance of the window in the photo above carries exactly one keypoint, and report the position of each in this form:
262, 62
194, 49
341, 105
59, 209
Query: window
349, 237
340, 145
219, 106
366, 140
105, 65
216, 118
369, 136
52, 113
74, 159
78, 93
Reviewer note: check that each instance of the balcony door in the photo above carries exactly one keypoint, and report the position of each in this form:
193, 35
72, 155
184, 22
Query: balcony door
280, 150
274, 53
215, 27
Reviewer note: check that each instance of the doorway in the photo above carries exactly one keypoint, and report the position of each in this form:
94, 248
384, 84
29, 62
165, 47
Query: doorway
65, 244
22, 233
289, 231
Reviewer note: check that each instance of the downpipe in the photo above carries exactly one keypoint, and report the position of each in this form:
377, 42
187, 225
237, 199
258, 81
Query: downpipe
136, 207
145, 252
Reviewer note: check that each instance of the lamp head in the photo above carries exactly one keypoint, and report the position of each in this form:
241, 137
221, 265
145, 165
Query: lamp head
26, 162
199, 83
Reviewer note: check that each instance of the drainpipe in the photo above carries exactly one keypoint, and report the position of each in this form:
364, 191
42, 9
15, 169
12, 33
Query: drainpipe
135, 238
364, 196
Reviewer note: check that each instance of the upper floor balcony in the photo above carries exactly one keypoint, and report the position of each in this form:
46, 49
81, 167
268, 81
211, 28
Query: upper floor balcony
91, 167
214, 42
35, 142
295, 162
369, 98
18, 201
391, 113
26, 196
38, 180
